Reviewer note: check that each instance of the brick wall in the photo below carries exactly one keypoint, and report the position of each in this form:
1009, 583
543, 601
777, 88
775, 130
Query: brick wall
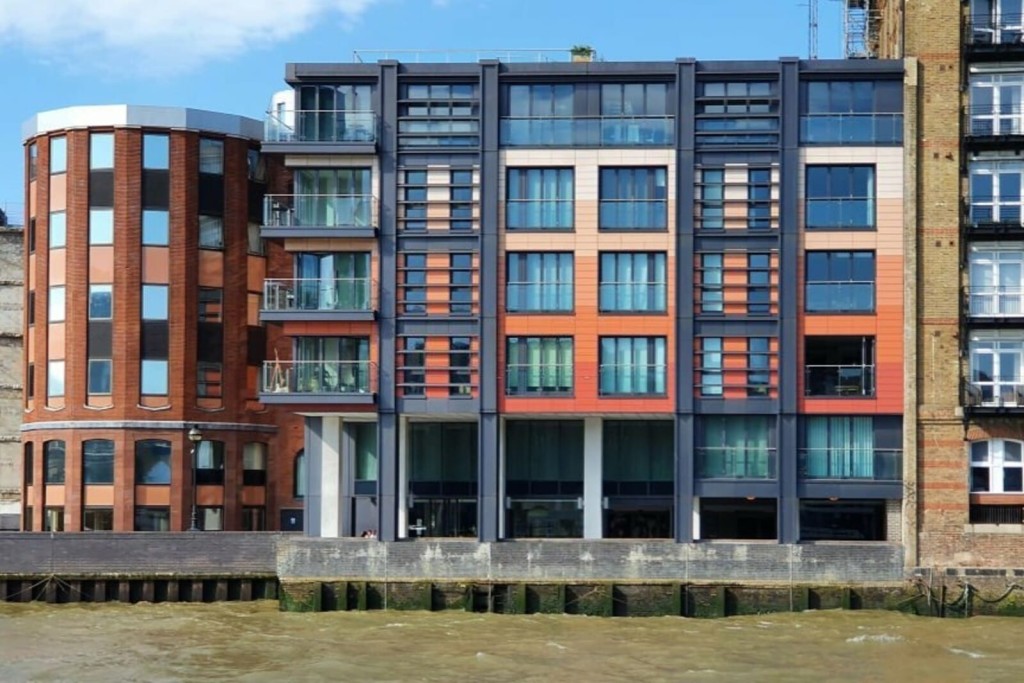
11, 309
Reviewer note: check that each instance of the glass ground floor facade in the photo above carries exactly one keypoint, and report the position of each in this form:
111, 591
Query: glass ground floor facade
601, 478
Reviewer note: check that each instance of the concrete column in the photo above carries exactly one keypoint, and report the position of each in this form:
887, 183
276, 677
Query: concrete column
330, 478
312, 444
403, 469
695, 515
593, 510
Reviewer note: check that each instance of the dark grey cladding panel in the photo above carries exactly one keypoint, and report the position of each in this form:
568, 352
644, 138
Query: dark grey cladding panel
736, 489
750, 241
424, 327
744, 327
851, 490
454, 242
719, 157
324, 72
437, 406
736, 406
466, 159
893, 67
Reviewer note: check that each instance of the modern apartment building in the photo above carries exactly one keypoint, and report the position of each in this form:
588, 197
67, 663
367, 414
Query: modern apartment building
967, 174
597, 299
144, 268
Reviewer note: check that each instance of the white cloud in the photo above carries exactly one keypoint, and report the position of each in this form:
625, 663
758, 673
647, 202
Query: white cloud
161, 35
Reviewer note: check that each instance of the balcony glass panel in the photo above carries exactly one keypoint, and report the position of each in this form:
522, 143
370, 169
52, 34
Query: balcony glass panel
340, 377
319, 211
598, 131
320, 125
338, 294
873, 464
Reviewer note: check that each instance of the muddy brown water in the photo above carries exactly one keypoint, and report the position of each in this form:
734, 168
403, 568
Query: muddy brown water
256, 642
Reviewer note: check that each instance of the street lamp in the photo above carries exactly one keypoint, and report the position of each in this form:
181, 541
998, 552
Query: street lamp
195, 436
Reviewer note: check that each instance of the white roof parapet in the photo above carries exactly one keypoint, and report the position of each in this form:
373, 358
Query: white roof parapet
129, 115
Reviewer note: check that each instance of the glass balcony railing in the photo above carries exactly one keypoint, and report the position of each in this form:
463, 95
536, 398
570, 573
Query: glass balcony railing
539, 214
338, 294
545, 380
333, 377
633, 214
728, 462
870, 464
632, 379
595, 131
840, 213
324, 125
995, 29
840, 296
996, 301
994, 121
851, 129
319, 211
839, 380
995, 392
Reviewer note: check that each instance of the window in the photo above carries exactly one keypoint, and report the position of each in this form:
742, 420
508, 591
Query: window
211, 156
995, 22
31, 229
711, 378
210, 305
53, 462
712, 283
154, 377
155, 230
544, 478
58, 230
413, 210
333, 197
254, 518
254, 464
53, 519
338, 281
459, 373
996, 371
414, 291
442, 478
156, 151
635, 114
632, 282
33, 161
638, 460
208, 380
539, 282
840, 197
852, 112
712, 198
758, 366
30, 308
839, 366
299, 475
97, 519
841, 281
997, 191
58, 155
996, 466
539, 365
460, 194
101, 151
333, 365
29, 468
460, 277
154, 302
98, 461
996, 100
633, 199
254, 243
55, 379
759, 276
364, 437
413, 364
101, 303
759, 198
843, 448
100, 380
439, 115
209, 462
632, 366
540, 115
255, 165
211, 232
56, 307
333, 113
996, 279
539, 199
737, 113
735, 447
30, 381
210, 518
152, 519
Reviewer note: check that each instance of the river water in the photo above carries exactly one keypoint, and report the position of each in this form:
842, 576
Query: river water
255, 642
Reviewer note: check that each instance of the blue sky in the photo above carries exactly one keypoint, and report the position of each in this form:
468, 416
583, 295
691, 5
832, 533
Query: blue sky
229, 55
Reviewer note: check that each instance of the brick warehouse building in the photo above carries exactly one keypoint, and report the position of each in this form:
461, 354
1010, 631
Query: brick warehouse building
144, 269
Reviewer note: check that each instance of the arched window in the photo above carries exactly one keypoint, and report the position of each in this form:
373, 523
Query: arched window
299, 475
98, 461
53, 462
209, 463
997, 466
153, 462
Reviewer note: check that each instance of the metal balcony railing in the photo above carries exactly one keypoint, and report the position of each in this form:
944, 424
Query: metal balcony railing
995, 301
334, 377
995, 120
524, 379
358, 211
869, 464
321, 125
324, 294
997, 392
632, 379
998, 28
839, 380
728, 462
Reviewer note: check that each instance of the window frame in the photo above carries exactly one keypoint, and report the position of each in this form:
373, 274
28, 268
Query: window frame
654, 262
831, 196
997, 464
519, 349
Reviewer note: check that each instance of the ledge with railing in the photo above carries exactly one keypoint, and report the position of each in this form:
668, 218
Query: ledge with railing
632, 379
995, 393
852, 129
323, 378
320, 211
984, 214
341, 295
850, 381
633, 214
321, 125
840, 213
539, 214
995, 301
548, 379
593, 131
853, 463
735, 462
846, 296
991, 120
1000, 29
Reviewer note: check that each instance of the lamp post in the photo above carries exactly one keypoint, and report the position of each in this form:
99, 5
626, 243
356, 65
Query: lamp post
195, 436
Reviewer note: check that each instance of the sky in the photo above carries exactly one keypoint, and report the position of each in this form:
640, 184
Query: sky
230, 55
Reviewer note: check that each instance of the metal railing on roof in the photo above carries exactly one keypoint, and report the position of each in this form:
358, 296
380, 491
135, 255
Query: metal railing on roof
522, 55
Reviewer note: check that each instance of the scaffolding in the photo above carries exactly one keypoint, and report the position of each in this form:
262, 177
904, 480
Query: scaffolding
860, 28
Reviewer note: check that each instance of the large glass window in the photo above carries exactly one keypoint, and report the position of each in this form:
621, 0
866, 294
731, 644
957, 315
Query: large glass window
154, 377
460, 374
460, 280
759, 376
442, 483
54, 379
544, 478
842, 281
997, 193
101, 302
539, 199
97, 519
101, 226
56, 307
413, 366
996, 466
209, 462
152, 519
735, 447
211, 232
711, 376
638, 469
330, 113
759, 198
413, 207
635, 114
539, 115
439, 115
254, 464
996, 279
53, 462
333, 365
712, 283
153, 462
712, 198
539, 282
337, 281
539, 365
997, 371
414, 283
844, 448
852, 112
333, 197
58, 155
839, 366
100, 380
737, 113
996, 22
211, 156
155, 228
58, 230
154, 302
759, 279
632, 366
101, 151
840, 197
98, 461
461, 202
633, 198
156, 151
633, 282
996, 101
365, 442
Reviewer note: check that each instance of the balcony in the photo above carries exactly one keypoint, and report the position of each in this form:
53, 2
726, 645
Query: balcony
319, 381
995, 304
842, 213
850, 464
632, 379
549, 379
594, 131
318, 299
539, 214
633, 214
851, 129
987, 219
994, 396
844, 381
994, 35
320, 131
319, 215
727, 462
993, 127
